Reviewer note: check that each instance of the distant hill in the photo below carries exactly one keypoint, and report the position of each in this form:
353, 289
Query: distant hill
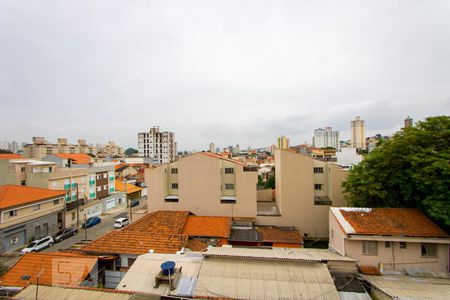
130, 151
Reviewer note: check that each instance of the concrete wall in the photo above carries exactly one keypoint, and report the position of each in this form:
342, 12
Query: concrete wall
337, 235
295, 193
200, 186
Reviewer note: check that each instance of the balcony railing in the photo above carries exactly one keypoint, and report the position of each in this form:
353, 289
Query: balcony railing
67, 186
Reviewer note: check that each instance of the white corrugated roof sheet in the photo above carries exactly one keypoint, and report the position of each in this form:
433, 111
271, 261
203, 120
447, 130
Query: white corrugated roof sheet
141, 276
293, 254
53, 292
264, 279
407, 287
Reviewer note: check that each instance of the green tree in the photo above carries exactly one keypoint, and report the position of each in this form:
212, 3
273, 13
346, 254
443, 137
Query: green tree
410, 170
270, 183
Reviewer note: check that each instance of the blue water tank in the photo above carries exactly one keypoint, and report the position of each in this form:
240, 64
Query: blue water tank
167, 267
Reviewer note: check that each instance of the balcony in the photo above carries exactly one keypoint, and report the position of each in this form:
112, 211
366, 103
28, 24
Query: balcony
74, 184
67, 186
91, 182
92, 195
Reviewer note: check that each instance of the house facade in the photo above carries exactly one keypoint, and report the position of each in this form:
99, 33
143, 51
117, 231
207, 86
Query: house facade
389, 239
305, 190
204, 183
28, 213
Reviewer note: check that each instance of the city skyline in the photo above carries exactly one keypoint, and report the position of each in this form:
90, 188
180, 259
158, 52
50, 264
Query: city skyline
233, 73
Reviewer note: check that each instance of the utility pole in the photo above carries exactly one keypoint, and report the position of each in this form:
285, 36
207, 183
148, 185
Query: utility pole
37, 282
85, 225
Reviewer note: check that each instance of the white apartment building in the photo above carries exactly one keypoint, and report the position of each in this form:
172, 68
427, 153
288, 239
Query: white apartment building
159, 146
358, 130
326, 138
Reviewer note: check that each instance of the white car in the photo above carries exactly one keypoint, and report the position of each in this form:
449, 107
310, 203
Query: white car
38, 245
120, 222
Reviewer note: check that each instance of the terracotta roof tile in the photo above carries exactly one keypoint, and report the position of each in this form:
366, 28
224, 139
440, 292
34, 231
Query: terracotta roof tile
207, 226
56, 268
160, 231
369, 270
279, 234
10, 156
78, 158
196, 245
391, 221
131, 188
14, 195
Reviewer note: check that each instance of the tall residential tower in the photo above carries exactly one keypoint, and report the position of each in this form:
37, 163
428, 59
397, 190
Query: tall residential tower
326, 138
358, 133
160, 146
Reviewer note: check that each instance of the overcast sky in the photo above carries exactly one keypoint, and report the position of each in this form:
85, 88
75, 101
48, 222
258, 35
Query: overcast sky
228, 72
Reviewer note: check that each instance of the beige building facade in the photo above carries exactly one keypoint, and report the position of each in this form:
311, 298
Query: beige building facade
205, 184
40, 148
305, 190
358, 133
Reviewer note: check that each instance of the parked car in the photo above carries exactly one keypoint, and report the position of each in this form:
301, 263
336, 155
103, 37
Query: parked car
121, 222
64, 234
134, 203
91, 222
38, 245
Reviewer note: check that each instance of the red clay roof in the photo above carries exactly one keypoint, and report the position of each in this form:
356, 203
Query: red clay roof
197, 245
10, 156
160, 231
78, 158
57, 269
207, 226
369, 270
131, 188
279, 235
14, 195
392, 221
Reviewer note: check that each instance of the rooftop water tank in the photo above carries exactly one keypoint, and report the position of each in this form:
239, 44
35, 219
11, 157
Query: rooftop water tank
168, 267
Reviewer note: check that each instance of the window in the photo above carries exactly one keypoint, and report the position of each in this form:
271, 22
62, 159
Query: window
228, 201
175, 186
171, 200
105, 187
50, 169
56, 202
318, 170
36, 207
229, 171
23, 182
317, 186
402, 245
105, 175
322, 200
429, 250
370, 248
99, 176
229, 186
387, 244
99, 189
130, 261
174, 170
13, 213
22, 169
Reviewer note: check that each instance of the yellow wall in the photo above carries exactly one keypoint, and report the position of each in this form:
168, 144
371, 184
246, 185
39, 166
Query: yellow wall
200, 187
295, 193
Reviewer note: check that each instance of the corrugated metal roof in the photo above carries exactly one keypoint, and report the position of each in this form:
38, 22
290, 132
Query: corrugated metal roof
407, 287
53, 292
292, 254
265, 279
141, 276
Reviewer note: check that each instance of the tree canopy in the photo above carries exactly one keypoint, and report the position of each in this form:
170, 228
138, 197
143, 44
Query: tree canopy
412, 169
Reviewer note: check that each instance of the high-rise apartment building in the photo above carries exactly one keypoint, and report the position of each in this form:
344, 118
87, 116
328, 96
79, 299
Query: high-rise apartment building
358, 130
326, 138
282, 142
159, 146
211, 147
408, 122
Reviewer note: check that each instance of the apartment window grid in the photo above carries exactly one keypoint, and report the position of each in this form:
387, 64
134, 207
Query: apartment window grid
229, 170
387, 244
402, 245
228, 201
370, 248
36, 207
56, 202
175, 186
318, 186
229, 186
318, 170
13, 213
174, 170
